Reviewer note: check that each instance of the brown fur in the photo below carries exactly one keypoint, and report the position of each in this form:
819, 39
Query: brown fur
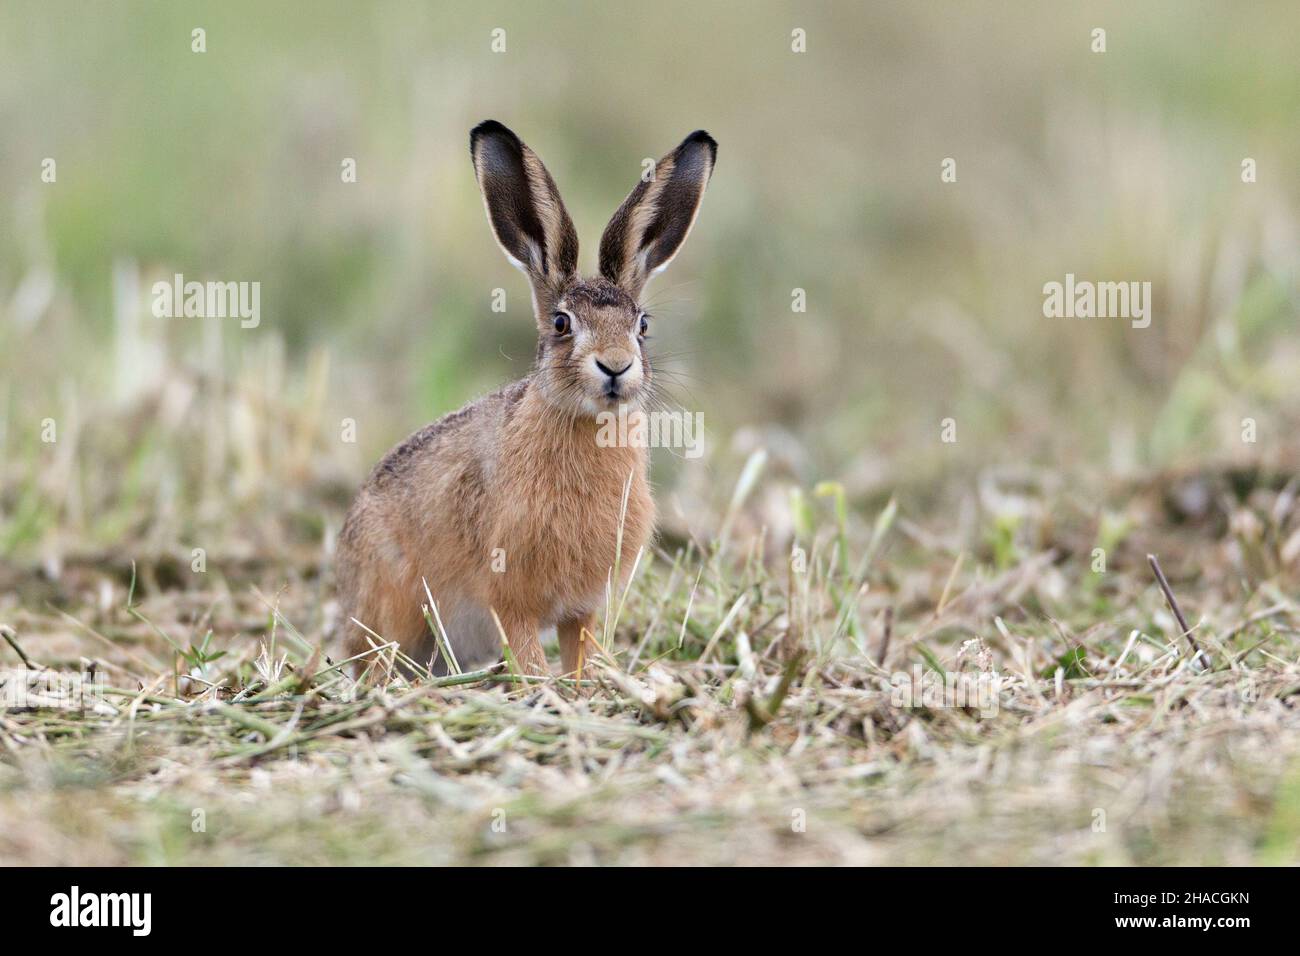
521, 470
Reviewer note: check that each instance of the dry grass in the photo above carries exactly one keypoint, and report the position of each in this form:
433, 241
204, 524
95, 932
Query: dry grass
760, 728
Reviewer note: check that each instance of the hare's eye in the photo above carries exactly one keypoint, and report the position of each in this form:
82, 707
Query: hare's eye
562, 323
645, 323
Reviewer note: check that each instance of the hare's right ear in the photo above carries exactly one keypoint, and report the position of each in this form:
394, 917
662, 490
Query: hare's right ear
651, 225
525, 210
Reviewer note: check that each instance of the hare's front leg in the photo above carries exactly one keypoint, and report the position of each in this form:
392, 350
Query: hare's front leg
525, 643
575, 653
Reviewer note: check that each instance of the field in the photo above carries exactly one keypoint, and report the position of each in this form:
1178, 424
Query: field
915, 481
741, 716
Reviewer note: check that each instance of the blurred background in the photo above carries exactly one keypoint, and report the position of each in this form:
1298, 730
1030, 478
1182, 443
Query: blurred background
923, 298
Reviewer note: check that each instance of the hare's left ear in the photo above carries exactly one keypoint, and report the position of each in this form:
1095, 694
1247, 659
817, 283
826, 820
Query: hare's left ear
527, 215
653, 221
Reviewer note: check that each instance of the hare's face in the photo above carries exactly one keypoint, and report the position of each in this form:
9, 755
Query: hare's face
591, 353
591, 349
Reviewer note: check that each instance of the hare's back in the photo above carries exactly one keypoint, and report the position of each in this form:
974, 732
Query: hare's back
459, 437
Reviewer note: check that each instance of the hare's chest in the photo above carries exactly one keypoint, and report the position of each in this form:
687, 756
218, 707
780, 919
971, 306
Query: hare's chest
561, 542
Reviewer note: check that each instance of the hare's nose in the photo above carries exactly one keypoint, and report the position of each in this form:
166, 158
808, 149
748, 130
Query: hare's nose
611, 372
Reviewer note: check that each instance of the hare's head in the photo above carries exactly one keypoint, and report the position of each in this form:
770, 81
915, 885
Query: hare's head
591, 352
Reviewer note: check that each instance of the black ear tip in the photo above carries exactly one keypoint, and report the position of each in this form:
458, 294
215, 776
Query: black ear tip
701, 138
490, 128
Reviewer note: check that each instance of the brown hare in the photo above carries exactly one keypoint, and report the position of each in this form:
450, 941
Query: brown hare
511, 505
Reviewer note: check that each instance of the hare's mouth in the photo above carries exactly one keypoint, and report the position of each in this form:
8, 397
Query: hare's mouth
608, 399
614, 394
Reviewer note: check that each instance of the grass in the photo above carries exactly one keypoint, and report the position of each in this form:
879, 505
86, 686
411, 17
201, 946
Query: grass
739, 717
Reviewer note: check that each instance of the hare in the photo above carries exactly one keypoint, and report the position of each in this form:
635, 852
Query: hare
510, 509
